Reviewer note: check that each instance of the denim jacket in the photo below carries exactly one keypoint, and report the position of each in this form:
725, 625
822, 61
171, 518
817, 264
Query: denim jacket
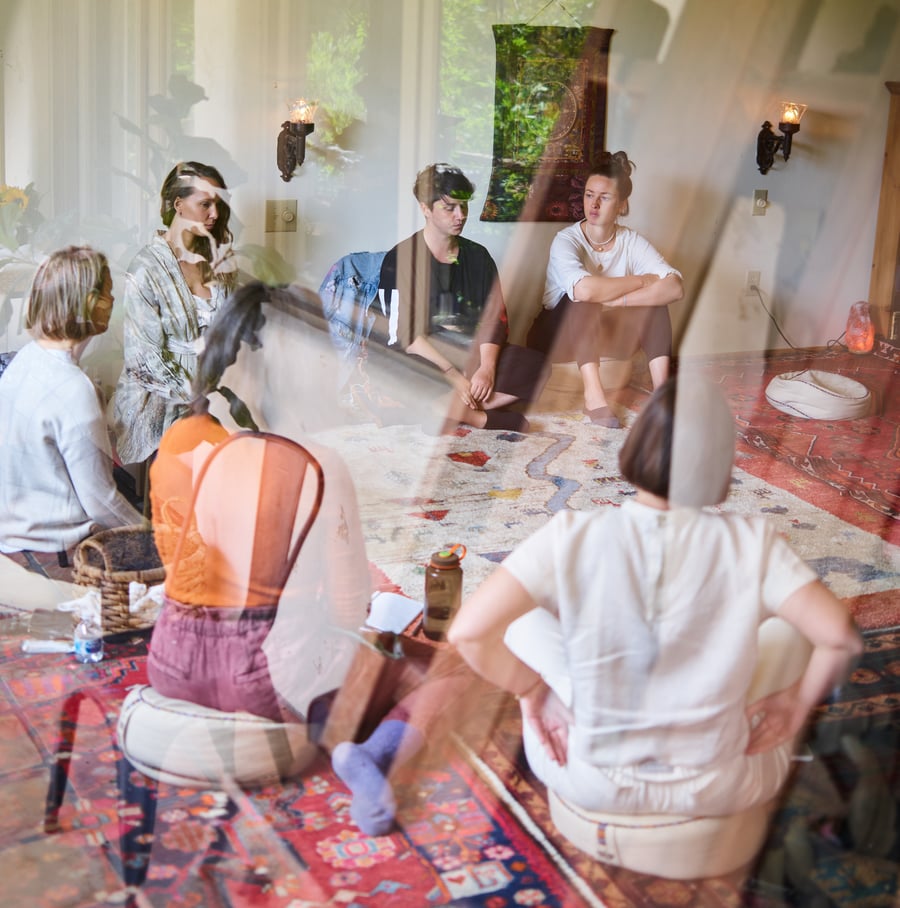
347, 293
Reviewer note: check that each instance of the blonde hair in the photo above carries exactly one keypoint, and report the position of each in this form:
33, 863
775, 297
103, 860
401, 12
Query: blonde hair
64, 292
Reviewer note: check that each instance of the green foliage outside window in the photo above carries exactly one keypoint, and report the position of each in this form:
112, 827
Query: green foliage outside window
334, 72
467, 66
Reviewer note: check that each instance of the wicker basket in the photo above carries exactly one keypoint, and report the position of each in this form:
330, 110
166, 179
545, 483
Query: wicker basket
109, 561
189, 574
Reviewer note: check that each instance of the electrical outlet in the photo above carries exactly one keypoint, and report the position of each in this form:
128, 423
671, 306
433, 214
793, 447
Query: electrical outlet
751, 285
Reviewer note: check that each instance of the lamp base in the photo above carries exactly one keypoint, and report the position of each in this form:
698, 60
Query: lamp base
788, 129
767, 146
291, 149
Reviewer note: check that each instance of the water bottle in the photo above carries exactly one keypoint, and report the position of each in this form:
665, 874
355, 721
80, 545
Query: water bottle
443, 591
88, 641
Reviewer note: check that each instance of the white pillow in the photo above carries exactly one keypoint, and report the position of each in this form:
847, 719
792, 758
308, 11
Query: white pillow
179, 742
812, 394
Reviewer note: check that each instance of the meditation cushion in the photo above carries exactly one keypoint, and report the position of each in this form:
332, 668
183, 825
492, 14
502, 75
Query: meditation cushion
812, 394
682, 847
179, 742
675, 847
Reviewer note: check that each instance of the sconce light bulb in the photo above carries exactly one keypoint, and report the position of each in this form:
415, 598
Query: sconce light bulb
791, 111
302, 111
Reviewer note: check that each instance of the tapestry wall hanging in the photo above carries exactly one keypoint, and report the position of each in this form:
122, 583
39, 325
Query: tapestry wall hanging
549, 119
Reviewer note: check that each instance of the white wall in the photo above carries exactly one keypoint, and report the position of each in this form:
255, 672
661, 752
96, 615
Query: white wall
687, 113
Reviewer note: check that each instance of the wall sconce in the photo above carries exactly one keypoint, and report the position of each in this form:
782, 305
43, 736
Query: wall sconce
292, 138
768, 144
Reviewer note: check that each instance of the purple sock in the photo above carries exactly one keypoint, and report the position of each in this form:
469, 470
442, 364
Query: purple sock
363, 768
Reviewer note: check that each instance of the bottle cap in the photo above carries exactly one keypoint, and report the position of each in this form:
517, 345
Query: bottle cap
445, 559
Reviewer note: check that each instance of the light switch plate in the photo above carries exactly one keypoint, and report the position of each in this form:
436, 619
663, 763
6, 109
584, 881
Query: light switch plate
760, 201
281, 216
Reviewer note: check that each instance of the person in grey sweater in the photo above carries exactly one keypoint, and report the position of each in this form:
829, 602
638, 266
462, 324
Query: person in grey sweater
56, 468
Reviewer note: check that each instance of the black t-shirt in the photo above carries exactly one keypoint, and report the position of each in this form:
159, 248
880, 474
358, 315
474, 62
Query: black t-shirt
464, 298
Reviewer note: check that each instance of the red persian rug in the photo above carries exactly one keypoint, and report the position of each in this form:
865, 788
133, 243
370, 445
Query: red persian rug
285, 846
835, 840
850, 468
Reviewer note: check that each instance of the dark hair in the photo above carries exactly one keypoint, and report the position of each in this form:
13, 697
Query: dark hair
64, 292
239, 320
645, 459
614, 166
439, 180
179, 184
681, 447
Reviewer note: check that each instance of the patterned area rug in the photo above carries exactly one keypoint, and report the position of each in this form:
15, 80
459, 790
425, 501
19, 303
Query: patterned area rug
849, 467
489, 490
460, 843
835, 840
474, 832
286, 846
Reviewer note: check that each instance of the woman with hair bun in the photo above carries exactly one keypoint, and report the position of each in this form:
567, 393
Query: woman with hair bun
606, 291
55, 456
173, 288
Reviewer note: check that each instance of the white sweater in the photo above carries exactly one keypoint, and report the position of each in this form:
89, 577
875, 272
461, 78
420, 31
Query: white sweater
56, 478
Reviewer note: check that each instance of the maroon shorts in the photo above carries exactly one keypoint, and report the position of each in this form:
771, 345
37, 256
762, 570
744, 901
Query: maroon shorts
213, 657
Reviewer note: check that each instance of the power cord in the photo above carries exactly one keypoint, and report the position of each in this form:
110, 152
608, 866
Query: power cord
762, 303
837, 342
830, 345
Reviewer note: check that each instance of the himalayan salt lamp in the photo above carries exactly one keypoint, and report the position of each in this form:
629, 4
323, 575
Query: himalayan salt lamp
860, 335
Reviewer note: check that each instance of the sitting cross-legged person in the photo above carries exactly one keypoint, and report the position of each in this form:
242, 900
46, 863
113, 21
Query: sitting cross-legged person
229, 638
445, 303
630, 634
234, 632
55, 457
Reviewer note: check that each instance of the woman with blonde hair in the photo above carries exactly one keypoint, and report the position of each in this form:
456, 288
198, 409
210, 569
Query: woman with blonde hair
173, 288
55, 456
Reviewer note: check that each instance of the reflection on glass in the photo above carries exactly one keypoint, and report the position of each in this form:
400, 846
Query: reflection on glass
452, 316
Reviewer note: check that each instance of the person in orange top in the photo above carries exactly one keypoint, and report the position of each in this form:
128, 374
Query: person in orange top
237, 646
229, 637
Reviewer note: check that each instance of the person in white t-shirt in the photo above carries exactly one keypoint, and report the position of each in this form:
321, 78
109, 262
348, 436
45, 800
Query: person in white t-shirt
630, 635
607, 290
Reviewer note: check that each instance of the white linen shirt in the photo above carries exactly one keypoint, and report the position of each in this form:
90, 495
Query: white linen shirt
56, 478
659, 613
572, 258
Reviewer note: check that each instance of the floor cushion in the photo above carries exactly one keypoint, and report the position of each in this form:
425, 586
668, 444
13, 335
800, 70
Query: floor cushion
665, 845
675, 847
812, 394
179, 742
